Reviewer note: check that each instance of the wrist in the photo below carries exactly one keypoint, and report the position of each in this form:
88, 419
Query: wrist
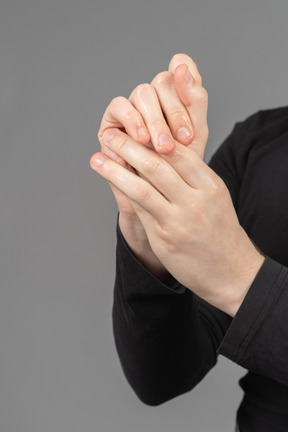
233, 302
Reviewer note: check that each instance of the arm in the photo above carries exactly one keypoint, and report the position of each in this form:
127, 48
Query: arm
257, 338
166, 337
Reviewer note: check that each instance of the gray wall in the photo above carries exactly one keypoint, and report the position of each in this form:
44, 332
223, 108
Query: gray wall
61, 62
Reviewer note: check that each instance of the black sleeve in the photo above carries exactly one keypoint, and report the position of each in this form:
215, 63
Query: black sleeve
258, 336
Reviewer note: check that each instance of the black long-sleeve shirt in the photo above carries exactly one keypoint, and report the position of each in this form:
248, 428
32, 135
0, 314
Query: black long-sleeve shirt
167, 338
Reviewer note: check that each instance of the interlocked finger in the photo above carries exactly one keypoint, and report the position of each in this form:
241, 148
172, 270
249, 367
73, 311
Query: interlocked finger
175, 111
144, 98
133, 186
147, 162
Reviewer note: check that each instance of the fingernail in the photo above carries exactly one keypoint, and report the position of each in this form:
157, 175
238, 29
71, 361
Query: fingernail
182, 134
141, 132
188, 76
98, 160
108, 134
164, 140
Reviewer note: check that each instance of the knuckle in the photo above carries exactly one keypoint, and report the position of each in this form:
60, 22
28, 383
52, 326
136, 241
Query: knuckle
202, 96
141, 89
99, 134
130, 116
157, 123
142, 191
122, 141
178, 156
162, 79
116, 101
179, 115
151, 165
217, 186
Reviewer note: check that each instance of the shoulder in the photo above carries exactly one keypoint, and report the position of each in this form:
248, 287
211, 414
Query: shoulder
271, 118
229, 160
255, 130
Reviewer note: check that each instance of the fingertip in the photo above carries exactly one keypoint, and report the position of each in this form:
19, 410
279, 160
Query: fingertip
97, 159
91, 160
166, 150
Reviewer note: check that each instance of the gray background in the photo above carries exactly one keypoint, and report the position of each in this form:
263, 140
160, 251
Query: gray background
61, 62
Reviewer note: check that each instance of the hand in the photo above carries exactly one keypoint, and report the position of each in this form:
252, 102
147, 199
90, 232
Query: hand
184, 105
189, 218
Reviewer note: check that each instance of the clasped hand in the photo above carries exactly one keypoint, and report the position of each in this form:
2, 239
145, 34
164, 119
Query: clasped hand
184, 206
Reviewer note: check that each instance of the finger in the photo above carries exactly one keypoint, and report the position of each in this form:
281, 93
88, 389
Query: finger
152, 166
121, 113
195, 98
144, 98
169, 174
112, 155
175, 111
178, 59
192, 169
133, 186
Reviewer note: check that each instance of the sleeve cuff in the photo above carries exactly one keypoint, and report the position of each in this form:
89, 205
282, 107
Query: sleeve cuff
253, 313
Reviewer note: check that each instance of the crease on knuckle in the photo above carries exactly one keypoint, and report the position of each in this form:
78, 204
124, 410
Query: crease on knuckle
151, 165
123, 140
158, 122
179, 115
177, 156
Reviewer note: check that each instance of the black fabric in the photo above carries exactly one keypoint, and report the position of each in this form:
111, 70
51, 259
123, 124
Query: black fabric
167, 338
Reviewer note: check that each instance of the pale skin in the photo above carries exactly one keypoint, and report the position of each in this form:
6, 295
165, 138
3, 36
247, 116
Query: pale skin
181, 210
